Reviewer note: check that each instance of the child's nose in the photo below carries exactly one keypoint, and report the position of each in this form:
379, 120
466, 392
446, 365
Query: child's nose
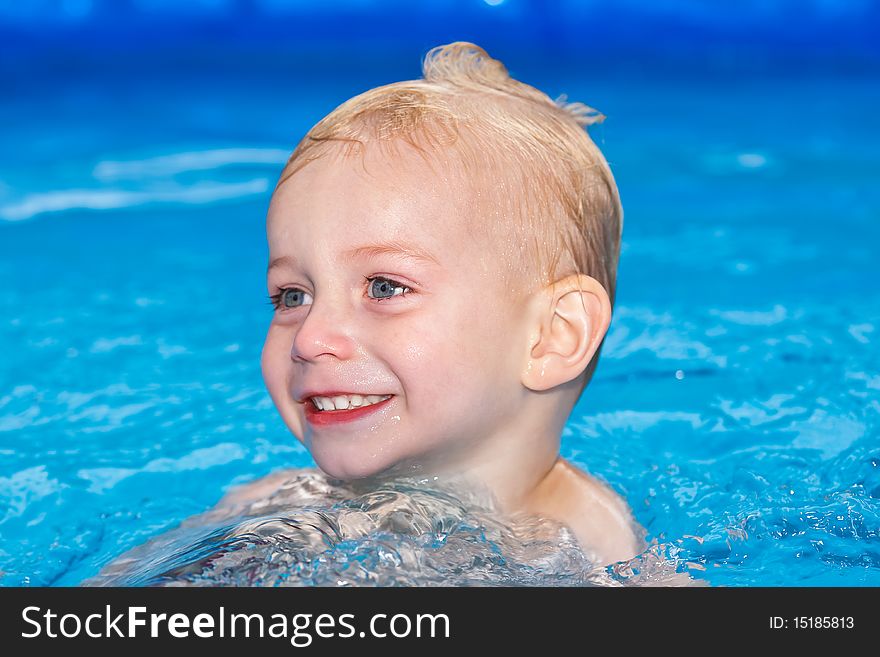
324, 331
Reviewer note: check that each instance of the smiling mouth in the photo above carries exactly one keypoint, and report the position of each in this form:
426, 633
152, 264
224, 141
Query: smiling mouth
348, 412
345, 402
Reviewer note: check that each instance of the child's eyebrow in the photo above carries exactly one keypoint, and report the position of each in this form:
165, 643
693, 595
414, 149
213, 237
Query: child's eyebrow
396, 249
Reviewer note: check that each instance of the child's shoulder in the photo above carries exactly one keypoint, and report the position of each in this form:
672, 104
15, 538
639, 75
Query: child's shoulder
239, 499
260, 488
601, 519
249, 498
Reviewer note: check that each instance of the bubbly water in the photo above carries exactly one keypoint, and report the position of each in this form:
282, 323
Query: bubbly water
735, 406
315, 531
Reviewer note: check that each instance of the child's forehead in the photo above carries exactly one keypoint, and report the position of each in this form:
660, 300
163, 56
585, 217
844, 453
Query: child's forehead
386, 174
432, 196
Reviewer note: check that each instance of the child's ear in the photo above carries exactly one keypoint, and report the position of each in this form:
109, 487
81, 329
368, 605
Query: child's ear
571, 318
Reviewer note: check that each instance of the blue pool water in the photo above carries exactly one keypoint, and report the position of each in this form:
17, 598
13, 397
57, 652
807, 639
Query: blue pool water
736, 404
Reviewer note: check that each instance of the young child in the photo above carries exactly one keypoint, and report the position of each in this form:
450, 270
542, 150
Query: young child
442, 260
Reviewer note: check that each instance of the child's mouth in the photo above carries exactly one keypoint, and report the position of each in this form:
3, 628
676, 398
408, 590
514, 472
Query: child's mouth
317, 417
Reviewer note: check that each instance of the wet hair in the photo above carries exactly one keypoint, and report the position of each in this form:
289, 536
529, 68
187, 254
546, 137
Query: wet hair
550, 184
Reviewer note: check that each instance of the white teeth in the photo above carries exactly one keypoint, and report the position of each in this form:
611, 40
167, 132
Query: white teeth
343, 402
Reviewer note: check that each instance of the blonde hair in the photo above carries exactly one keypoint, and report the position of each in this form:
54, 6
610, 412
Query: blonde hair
562, 194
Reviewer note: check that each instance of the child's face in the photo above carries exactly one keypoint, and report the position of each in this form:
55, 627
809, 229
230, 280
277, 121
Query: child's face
450, 349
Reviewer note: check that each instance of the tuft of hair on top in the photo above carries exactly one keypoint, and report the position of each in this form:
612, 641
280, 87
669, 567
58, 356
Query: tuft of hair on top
468, 66
551, 185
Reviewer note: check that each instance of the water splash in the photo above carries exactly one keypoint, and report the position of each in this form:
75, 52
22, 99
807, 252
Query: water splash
316, 531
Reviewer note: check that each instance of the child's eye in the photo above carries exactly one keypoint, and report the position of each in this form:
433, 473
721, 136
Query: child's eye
378, 288
288, 297
385, 288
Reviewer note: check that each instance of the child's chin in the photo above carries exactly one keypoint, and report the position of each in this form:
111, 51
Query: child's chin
349, 471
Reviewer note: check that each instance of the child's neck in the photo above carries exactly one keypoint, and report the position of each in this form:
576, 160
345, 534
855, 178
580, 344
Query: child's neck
517, 480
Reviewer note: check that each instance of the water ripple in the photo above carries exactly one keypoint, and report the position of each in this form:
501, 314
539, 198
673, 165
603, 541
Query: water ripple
317, 531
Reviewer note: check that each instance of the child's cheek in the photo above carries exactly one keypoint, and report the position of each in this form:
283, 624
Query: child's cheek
275, 366
271, 362
440, 358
